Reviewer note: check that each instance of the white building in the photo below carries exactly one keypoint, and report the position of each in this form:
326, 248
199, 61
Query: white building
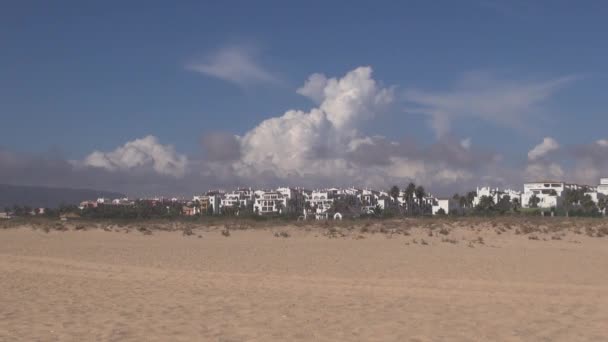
235, 199
496, 194
595, 196
369, 197
211, 200
122, 201
103, 200
289, 193
550, 193
270, 203
603, 187
448, 205
321, 200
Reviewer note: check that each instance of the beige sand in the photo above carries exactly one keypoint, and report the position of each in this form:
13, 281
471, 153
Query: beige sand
252, 286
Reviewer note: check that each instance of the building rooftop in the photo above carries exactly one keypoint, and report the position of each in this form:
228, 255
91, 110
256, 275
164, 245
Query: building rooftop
545, 181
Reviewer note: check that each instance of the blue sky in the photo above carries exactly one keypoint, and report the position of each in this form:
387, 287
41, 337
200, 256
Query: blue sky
77, 77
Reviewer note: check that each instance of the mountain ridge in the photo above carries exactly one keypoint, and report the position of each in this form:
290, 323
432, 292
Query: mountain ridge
48, 197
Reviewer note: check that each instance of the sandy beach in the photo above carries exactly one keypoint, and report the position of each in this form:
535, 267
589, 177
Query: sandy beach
303, 285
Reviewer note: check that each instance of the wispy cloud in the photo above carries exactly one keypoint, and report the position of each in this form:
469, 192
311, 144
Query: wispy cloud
482, 95
546, 146
235, 64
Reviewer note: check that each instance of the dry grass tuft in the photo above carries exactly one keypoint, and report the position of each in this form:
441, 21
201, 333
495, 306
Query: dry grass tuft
282, 234
144, 230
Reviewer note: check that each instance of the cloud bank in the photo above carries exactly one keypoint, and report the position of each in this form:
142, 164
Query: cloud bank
325, 146
582, 163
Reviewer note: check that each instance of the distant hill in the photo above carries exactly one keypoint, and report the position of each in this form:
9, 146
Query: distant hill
45, 197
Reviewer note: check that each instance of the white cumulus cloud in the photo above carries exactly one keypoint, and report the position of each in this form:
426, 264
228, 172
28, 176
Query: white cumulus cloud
144, 152
547, 145
301, 141
325, 145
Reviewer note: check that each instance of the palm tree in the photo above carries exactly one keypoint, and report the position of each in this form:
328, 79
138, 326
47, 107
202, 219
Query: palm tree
409, 194
307, 206
533, 201
486, 203
462, 201
279, 206
602, 204
420, 193
394, 192
470, 198
515, 203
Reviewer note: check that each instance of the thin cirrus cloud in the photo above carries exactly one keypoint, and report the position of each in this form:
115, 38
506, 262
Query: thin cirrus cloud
484, 96
234, 64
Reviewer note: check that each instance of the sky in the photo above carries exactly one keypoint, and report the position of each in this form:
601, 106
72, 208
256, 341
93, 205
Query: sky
159, 97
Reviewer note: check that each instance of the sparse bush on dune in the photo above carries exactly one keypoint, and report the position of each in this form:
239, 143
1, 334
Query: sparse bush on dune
60, 227
334, 232
281, 234
527, 229
187, 231
602, 231
144, 230
549, 228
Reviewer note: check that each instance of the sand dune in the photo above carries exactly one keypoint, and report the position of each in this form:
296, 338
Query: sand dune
252, 286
